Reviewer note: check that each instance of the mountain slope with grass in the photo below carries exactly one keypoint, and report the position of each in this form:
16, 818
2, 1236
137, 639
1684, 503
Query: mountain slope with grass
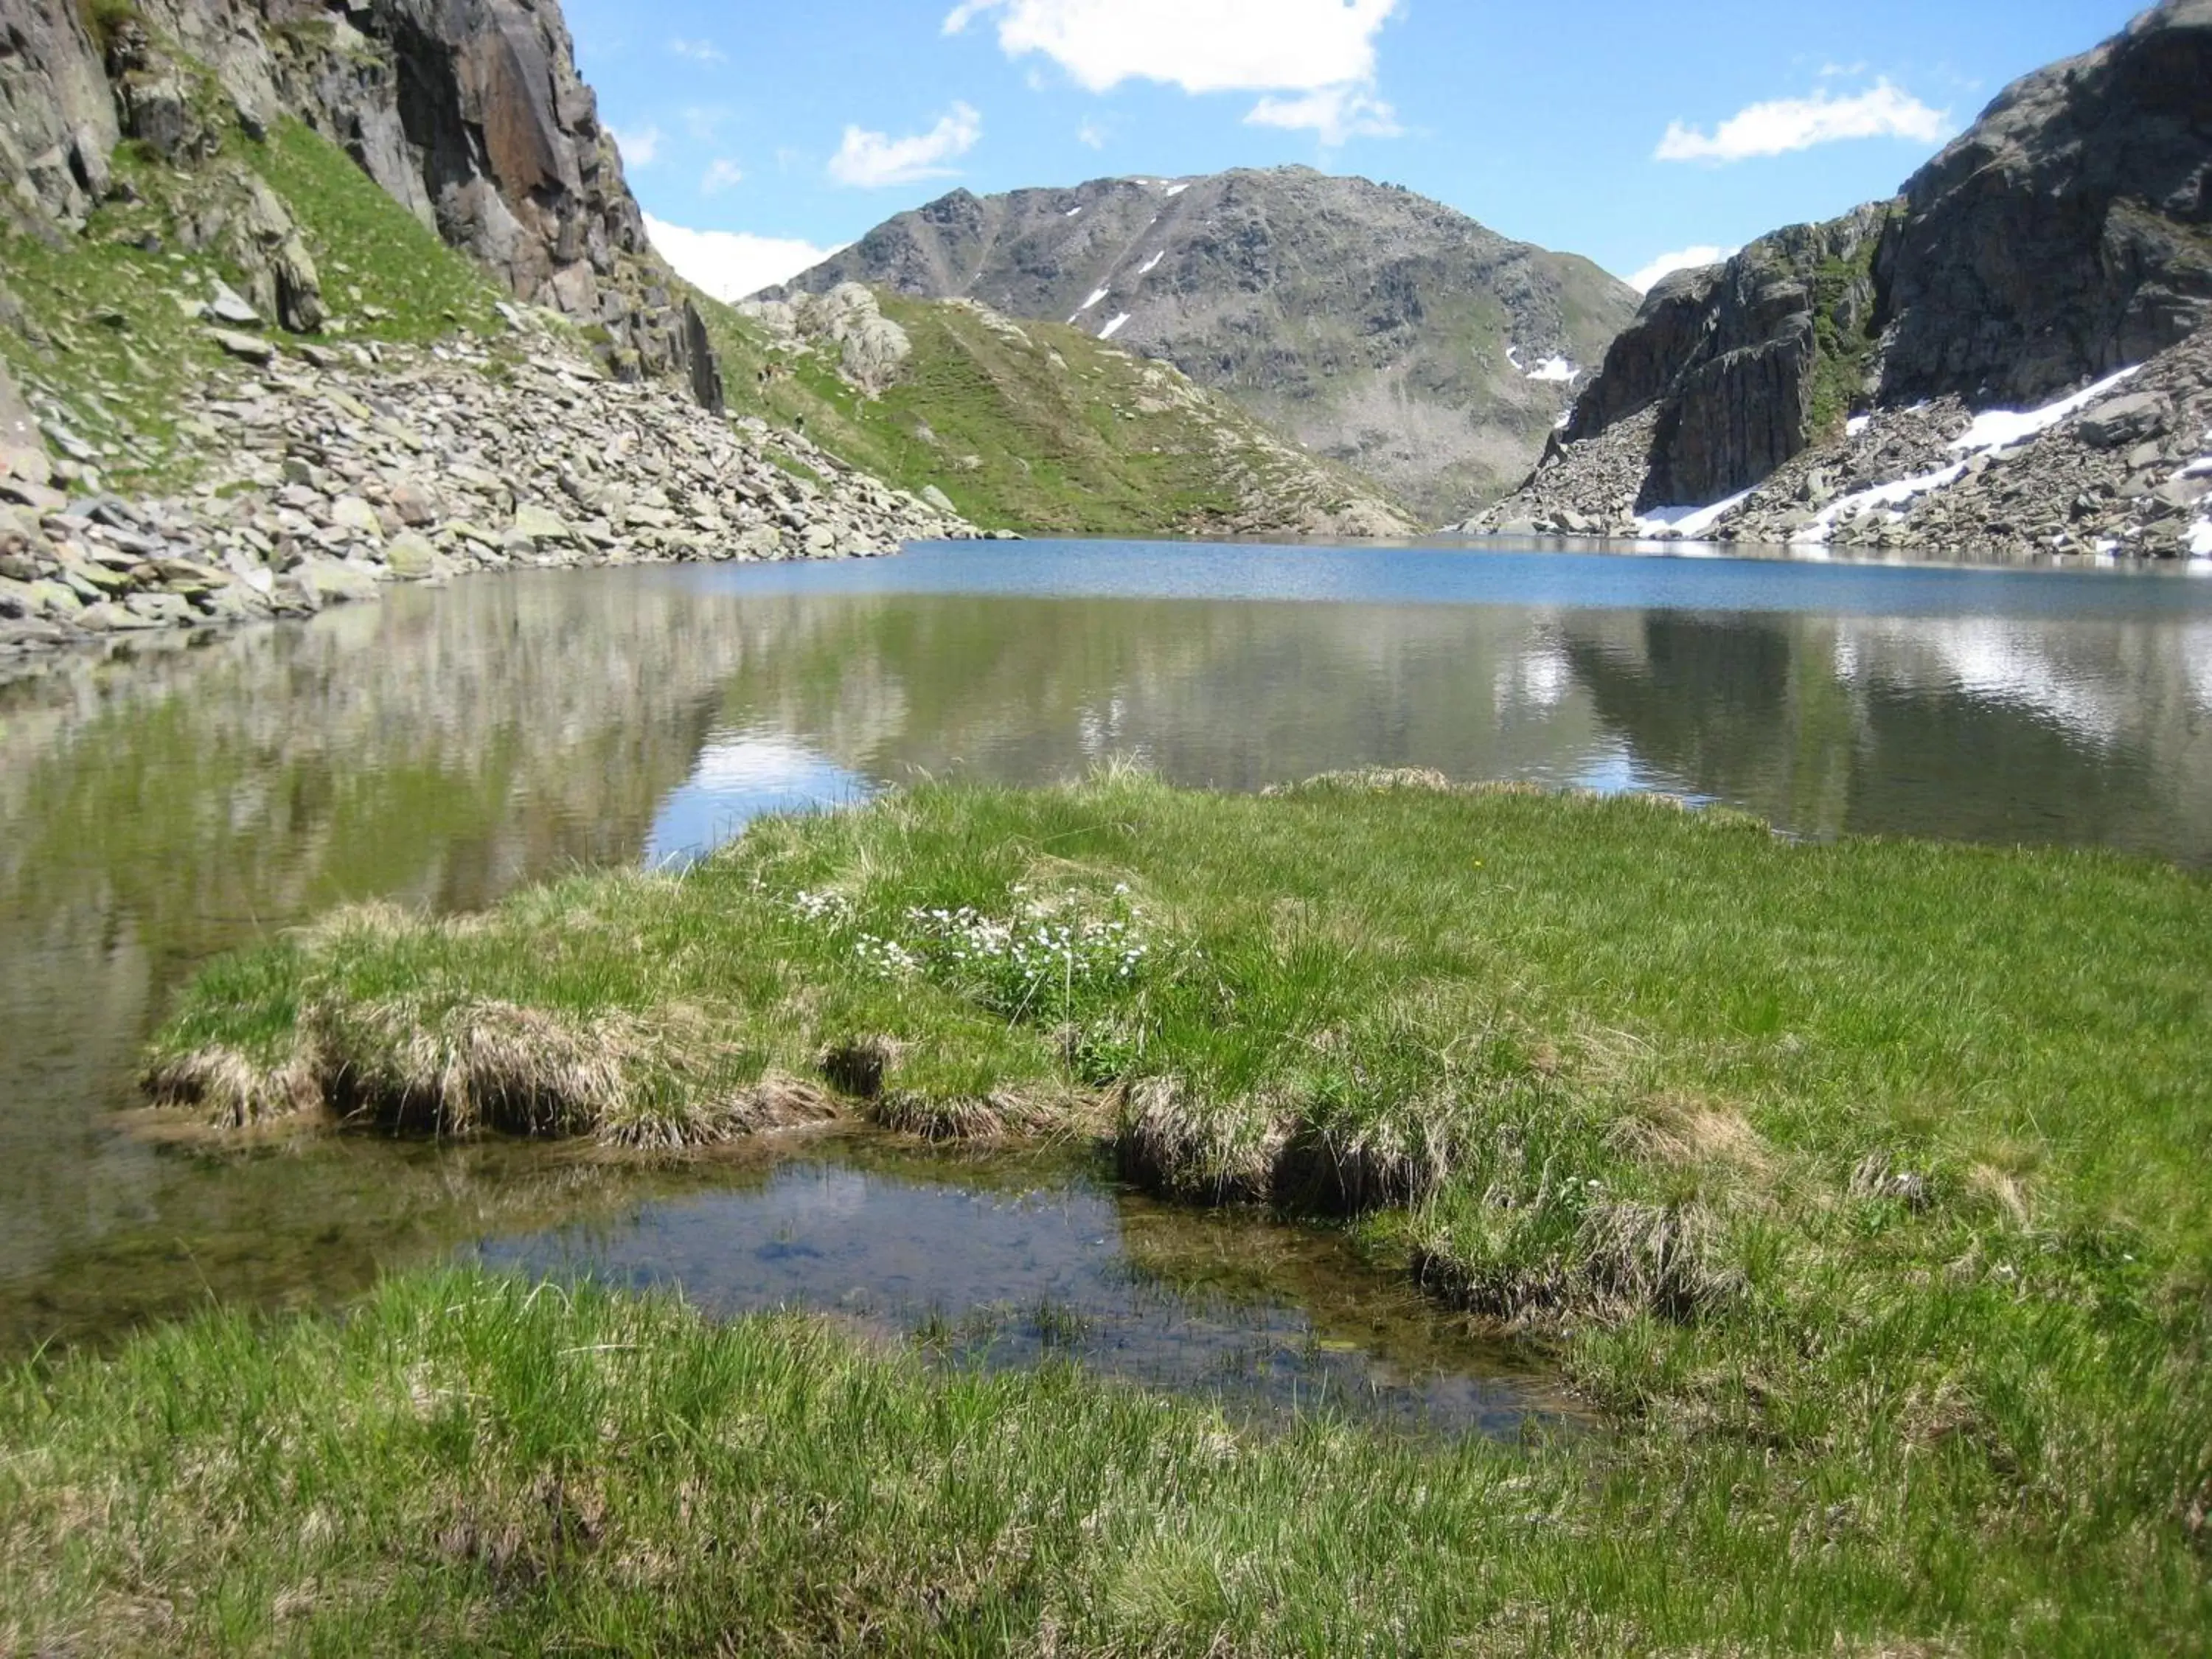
1376, 328
1037, 427
1838, 369
237, 248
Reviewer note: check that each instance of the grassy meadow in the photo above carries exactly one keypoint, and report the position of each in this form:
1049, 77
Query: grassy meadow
1862, 1186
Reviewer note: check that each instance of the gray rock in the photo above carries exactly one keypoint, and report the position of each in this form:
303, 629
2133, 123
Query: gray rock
352, 513
411, 558
247, 348
228, 309
540, 524
2123, 421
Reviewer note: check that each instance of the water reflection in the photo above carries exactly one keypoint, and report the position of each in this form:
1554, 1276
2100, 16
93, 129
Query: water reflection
1013, 1265
168, 802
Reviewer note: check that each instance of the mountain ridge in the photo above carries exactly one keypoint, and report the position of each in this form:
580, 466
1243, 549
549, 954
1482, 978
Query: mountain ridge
2064, 237
1383, 331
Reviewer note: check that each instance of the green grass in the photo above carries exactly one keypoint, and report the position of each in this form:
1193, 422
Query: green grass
372, 254
1863, 1183
121, 354
1844, 339
1085, 446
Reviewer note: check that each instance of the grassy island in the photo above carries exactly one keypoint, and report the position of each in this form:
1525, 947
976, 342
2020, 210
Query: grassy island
1862, 1186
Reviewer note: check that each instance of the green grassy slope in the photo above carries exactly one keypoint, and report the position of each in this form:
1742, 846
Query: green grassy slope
113, 338
1040, 428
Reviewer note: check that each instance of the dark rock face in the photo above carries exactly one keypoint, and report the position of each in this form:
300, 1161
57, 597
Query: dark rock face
1381, 329
2069, 233
1732, 355
471, 113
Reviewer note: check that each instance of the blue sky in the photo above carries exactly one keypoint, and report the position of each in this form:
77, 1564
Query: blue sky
758, 137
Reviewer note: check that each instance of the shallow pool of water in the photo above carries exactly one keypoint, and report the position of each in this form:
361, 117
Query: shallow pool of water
174, 800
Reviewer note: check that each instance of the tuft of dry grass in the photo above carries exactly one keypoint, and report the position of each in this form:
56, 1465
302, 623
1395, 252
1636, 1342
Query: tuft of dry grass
1167, 1139
230, 1089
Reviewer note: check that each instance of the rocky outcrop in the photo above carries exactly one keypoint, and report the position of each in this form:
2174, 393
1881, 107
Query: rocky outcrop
330, 473
2069, 233
469, 113
2123, 468
2066, 235
57, 119
845, 324
1378, 329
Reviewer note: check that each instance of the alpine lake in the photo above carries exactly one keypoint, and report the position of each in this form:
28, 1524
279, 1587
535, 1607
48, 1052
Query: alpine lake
176, 798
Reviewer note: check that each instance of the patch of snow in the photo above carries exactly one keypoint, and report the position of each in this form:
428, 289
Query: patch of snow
1095, 298
1857, 425
1178, 190
1687, 521
1513, 356
1558, 370
1071, 213
1992, 430
1888, 496
1564, 422
2196, 469
2001, 428
2200, 539
1114, 327
1152, 263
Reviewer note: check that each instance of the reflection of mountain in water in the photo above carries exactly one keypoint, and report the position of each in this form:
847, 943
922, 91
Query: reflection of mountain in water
443, 746
1235, 695
2096, 731
436, 748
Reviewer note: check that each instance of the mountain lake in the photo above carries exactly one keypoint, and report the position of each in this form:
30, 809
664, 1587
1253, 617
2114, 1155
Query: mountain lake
179, 797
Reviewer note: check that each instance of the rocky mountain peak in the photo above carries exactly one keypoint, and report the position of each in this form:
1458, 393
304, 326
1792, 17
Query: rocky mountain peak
2065, 236
1381, 330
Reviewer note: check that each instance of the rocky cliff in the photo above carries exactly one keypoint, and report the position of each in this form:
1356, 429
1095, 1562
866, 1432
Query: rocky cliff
468, 112
1379, 328
2065, 236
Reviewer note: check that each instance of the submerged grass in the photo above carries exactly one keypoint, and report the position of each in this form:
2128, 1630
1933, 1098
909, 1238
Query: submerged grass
1865, 1181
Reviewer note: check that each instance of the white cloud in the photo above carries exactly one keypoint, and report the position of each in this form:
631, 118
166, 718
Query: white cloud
868, 160
721, 174
1336, 113
699, 51
1092, 135
640, 149
1686, 258
1882, 110
1199, 46
732, 264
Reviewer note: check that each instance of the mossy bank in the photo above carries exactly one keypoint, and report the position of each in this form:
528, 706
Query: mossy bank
1861, 1185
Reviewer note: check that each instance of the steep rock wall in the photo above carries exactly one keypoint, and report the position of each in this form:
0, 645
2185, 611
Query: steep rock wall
469, 113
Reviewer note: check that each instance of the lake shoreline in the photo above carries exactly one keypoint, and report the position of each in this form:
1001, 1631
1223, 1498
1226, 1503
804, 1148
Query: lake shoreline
1676, 1099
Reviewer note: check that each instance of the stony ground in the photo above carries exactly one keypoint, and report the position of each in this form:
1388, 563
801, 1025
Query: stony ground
330, 471
2127, 474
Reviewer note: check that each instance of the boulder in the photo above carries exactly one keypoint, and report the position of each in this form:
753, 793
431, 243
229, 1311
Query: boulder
246, 348
412, 558
539, 524
228, 308
2124, 421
